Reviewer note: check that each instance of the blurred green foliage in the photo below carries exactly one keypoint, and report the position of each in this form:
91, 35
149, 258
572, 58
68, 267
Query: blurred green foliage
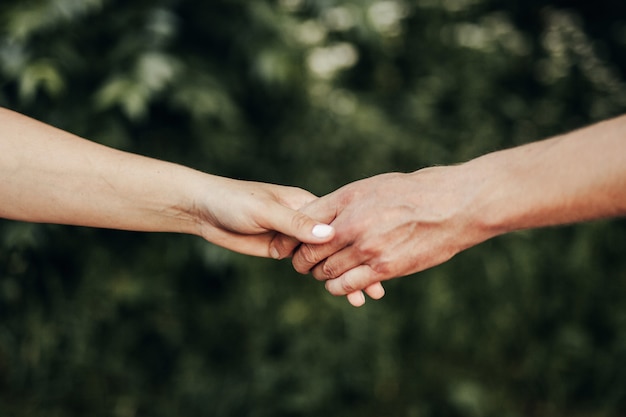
313, 93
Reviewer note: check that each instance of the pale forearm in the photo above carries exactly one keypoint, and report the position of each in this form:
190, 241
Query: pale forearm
51, 176
571, 178
48, 175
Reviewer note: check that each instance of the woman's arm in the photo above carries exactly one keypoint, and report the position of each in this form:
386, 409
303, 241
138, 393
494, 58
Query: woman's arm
52, 176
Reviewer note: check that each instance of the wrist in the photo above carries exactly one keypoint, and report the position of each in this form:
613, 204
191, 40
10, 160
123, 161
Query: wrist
451, 198
193, 190
170, 197
504, 197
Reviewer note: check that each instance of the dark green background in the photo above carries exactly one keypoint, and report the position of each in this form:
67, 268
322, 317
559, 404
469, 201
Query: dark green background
314, 94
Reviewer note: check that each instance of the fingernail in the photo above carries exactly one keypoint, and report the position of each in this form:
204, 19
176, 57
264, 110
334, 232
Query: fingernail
357, 299
322, 230
274, 253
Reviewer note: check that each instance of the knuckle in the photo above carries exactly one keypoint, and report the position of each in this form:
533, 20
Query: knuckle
348, 284
354, 225
382, 269
329, 270
308, 254
299, 221
319, 275
368, 249
305, 259
348, 194
284, 246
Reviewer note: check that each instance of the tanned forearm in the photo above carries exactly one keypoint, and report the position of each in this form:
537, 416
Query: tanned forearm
570, 178
395, 224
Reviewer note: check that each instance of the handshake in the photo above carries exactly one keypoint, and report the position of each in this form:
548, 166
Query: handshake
354, 238
396, 224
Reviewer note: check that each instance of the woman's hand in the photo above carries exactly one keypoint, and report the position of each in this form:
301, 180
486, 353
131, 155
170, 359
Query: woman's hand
245, 216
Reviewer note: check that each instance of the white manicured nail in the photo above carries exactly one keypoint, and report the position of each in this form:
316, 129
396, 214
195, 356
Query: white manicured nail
322, 230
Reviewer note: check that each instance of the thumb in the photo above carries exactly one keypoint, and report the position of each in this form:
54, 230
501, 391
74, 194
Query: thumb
301, 227
294, 224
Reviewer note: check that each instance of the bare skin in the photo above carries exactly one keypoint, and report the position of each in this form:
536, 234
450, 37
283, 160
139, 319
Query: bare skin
397, 224
52, 176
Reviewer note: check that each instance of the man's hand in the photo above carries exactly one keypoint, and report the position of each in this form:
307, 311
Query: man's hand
387, 226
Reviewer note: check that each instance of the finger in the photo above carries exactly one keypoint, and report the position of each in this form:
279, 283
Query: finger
375, 291
296, 225
355, 279
307, 256
283, 244
357, 299
338, 263
292, 197
254, 245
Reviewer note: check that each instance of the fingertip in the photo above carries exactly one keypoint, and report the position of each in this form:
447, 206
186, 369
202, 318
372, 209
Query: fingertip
357, 299
282, 246
322, 231
298, 226
375, 291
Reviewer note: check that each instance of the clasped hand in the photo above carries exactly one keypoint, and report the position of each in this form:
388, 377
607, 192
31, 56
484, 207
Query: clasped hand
386, 226
366, 232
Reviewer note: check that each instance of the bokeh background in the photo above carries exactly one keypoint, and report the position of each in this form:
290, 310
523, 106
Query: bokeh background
312, 93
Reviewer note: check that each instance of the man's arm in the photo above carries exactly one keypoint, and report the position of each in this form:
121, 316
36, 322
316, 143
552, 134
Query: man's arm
397, 224
49, 175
